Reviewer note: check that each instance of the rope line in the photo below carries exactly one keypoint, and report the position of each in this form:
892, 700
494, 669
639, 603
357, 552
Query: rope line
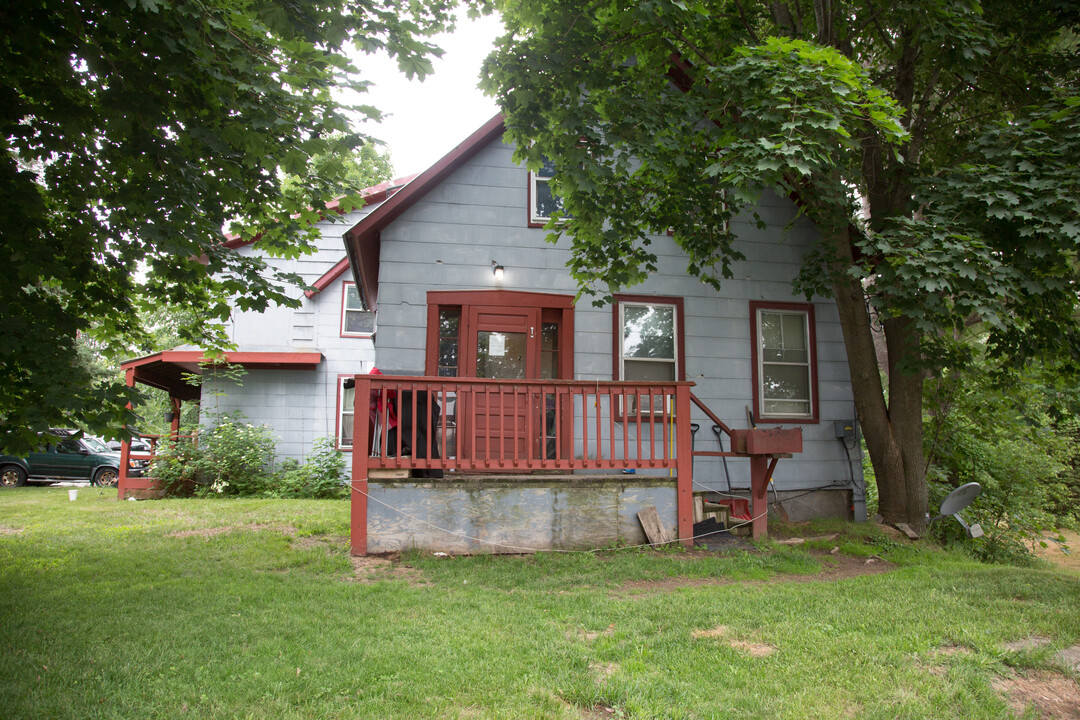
523, 548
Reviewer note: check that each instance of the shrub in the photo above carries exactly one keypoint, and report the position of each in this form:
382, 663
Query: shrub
236, 458
1005, 436
174, 467
231, 458
322, 476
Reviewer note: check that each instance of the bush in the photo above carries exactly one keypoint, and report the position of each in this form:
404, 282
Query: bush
237, 459
231, 458
174, 467
1007, 437
322, 476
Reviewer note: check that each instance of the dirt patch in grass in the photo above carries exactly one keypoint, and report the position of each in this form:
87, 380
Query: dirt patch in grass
834, 567
207, 533
590, 635
373, 568
597, 712
1032, 642
5, 530
716, 632
603, 670
333, 544
1052, 695
754, 649
1053, 553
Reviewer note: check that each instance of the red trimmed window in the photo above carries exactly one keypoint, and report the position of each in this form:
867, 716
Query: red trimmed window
784, 357
345, 413
543, 202
356, 319
648, 342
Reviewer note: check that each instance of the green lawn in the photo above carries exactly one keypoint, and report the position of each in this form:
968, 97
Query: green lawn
252, 608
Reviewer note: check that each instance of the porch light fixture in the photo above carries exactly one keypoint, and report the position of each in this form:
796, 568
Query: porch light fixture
497, 270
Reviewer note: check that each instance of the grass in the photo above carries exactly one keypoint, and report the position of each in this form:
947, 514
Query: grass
251, 608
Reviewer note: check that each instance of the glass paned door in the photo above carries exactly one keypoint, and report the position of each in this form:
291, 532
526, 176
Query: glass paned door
502, 355
505, 345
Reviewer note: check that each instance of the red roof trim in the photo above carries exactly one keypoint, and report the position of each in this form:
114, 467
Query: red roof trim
250, 360
366, 232
328, 277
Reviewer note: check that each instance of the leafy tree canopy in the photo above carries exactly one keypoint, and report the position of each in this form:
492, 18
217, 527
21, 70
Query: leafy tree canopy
357, 167
133, 132
934, 144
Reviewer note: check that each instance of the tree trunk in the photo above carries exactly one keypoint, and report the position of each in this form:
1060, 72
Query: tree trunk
905, 413
893, 430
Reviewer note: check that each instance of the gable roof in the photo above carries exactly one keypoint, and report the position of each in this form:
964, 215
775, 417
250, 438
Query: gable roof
362, 239
373, 195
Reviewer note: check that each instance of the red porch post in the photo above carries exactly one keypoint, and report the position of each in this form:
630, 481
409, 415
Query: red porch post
360, 451
125, 446
174, 426
684, 466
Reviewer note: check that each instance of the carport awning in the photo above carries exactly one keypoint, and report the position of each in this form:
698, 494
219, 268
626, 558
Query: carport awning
166, 370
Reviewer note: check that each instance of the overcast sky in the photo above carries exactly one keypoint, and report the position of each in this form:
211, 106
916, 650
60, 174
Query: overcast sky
428, 119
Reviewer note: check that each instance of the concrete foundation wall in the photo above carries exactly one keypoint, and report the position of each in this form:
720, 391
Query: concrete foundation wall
513, 516
802, 506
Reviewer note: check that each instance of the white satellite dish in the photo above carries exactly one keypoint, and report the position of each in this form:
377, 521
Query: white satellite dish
959, 499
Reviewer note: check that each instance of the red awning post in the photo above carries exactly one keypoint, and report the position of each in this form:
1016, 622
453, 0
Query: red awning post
361, 444
174, 424
125, 446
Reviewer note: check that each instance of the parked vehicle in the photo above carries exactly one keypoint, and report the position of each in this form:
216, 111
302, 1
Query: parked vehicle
65, 456
138, 444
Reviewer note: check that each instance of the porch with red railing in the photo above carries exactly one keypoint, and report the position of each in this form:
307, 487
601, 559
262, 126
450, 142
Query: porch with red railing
443, 426
143, 484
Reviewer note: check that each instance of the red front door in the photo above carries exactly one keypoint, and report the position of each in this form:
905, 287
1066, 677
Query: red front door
503, 343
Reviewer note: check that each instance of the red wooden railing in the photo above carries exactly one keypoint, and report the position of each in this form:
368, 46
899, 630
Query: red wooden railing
144, 484
519, 426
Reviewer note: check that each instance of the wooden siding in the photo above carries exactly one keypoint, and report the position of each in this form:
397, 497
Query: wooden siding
299, 406
479, 214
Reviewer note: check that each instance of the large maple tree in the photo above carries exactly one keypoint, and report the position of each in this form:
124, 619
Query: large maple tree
935, 145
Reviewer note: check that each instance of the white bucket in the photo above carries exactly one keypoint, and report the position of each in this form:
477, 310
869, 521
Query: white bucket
73, 494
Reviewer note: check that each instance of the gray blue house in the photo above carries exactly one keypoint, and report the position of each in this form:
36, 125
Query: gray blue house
294, 359
450, 277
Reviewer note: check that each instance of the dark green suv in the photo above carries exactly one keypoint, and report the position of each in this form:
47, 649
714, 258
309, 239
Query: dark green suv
64, 456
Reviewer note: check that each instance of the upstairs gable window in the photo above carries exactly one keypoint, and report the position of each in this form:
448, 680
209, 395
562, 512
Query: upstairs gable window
543, 202
356, 319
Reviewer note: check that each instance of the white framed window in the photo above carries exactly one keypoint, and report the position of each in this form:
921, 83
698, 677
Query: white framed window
543, 202
346, 412
649, 342
785, 374
356, 319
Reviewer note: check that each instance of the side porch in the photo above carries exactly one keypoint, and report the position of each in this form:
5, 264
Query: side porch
481, 465
170, 371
